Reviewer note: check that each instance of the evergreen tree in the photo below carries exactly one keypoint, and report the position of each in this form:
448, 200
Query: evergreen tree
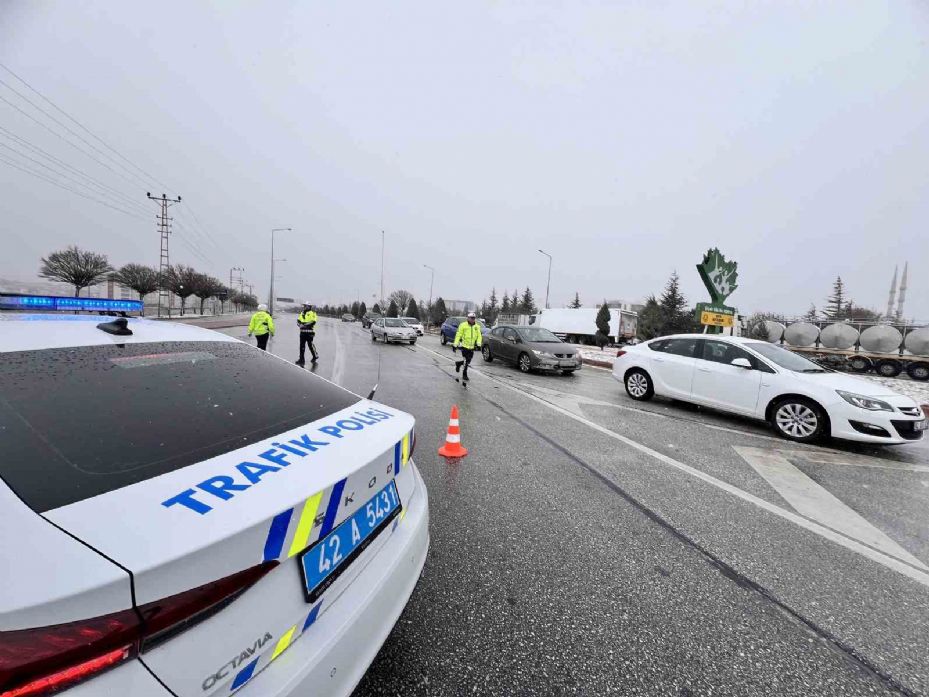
576, 303
439, 313
602, 337
811, 315
651, 320
493, 308
675, 315
362, 309
392, 310
514, 302
355, 307
412, 309
376, 309
836, 304
505, 305
527, 303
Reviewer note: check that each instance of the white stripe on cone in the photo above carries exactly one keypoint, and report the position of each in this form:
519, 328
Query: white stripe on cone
453, 422
453, 438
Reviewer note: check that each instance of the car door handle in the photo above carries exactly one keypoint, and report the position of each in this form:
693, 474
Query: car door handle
704, 370
658, 360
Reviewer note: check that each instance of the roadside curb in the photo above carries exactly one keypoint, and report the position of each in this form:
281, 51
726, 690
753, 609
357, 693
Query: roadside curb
596, 363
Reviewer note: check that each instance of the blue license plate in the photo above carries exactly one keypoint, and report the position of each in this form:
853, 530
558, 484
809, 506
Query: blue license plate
325, 561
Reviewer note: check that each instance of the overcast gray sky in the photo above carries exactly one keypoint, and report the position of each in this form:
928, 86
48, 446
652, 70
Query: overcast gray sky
623, 138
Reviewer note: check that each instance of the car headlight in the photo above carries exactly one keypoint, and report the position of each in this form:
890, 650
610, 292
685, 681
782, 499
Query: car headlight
862, 402
544, 354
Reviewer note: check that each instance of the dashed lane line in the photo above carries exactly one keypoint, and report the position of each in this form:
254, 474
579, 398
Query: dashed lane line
853, 545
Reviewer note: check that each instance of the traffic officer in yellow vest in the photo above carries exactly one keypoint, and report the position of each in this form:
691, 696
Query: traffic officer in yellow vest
262, 326
306, 320
468, 337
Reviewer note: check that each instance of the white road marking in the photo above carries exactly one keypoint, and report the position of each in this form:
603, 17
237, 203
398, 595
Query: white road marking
338, 370
853, 545
813, 501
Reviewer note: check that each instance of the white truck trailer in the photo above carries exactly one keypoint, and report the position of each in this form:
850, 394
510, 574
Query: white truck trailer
578, 326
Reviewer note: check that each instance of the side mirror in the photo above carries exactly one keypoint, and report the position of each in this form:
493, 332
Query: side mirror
741, 363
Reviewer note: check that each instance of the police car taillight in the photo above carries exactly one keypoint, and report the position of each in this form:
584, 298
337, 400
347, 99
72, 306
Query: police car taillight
620, 353
47, 659
44, 660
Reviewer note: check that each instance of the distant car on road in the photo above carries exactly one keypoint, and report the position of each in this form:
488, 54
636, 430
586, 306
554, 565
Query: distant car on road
450, 326
368, 318
801, 400
156, 516
530, 348
415, 323
392, 330
347, 317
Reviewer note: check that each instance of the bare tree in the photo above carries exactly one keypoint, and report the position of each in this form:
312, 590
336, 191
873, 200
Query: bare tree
180, 280
76, 266
205, 286
142, 279
401, 297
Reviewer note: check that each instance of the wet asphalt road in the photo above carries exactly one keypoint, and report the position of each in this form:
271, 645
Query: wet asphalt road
593, 545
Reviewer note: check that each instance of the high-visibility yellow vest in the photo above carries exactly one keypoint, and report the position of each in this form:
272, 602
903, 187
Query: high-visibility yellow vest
306, 318
468, 335
261, 324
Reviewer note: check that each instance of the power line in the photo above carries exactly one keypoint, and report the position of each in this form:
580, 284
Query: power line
125, 198
58, 135
87, 130
39, 175
42, 153
68, 129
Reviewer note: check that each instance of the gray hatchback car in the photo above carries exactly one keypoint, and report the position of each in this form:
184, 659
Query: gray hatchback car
530, 348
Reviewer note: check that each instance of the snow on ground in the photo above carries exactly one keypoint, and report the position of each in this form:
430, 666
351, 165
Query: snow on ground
911, 388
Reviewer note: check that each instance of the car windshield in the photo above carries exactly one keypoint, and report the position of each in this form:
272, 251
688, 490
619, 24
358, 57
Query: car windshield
394, 322
99, 418
410, 320
538, 335
784, 358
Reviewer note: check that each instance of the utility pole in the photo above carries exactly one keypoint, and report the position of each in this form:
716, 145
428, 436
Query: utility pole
271, 290
383, 311
431, 280
549, 282
164, 229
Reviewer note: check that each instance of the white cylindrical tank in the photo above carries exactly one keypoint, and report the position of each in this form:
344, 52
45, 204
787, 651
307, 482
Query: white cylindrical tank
775, 330
917, 342
801, 334
881, 339
839, 336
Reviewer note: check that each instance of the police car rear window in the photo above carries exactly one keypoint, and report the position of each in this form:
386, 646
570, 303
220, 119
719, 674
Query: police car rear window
79, 422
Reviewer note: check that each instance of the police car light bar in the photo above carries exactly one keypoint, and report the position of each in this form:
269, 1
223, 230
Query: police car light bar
52, 303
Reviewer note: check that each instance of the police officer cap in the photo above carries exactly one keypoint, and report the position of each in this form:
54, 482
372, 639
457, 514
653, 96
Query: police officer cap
263, 307
471, 315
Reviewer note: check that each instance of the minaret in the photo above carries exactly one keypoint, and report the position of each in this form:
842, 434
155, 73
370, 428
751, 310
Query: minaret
893, 293
906, 266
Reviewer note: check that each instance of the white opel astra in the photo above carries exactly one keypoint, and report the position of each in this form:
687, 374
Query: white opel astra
183, 514
801, 400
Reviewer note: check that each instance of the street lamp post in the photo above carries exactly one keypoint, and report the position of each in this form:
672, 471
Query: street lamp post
271, 293
549, 282
431, 280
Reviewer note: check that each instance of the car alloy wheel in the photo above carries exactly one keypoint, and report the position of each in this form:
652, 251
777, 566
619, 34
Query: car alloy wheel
638, 385
797, 421
485, 354
444, 340
524, 363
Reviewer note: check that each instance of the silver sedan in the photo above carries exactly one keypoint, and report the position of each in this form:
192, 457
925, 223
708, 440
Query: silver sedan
392, 329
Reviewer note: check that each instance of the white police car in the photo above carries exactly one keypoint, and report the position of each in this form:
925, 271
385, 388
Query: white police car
183, 514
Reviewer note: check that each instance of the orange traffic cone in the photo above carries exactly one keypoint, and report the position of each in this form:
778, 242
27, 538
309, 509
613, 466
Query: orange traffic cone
452, 447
